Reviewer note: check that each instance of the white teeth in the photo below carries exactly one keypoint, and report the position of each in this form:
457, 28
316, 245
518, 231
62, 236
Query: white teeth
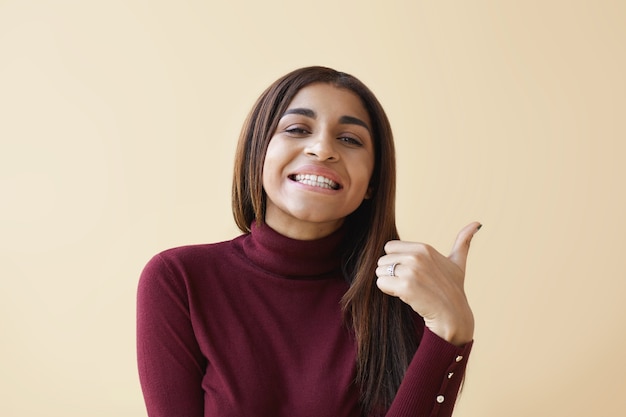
316, 181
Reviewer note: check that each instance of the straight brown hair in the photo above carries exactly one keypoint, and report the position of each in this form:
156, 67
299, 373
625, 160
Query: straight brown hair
384, 326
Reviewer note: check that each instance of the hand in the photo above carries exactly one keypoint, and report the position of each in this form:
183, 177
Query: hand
432, 284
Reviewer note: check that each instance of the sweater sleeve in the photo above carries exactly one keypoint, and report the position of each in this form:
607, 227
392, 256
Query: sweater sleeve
432, 381
169, 359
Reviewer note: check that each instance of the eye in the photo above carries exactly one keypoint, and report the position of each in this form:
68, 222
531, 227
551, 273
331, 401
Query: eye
349, 140
297, 130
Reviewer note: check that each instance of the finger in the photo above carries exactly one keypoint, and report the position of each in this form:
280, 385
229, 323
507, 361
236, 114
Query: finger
391, 259
401, 246
459, 252
388, 285
388, 270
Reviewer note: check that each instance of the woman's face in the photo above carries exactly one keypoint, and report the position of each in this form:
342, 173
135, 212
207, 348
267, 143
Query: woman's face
319, 162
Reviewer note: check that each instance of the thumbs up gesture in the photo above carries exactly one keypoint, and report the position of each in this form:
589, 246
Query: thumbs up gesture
431, 283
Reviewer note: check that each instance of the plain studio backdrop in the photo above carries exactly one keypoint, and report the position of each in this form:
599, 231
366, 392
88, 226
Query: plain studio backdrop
118, 124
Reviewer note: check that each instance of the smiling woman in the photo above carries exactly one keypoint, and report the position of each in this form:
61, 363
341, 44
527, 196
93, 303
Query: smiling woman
317, 309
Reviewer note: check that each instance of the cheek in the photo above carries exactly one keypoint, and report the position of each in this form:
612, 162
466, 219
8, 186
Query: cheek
366, 172
268, 163
267, 178
361, 179
272, 177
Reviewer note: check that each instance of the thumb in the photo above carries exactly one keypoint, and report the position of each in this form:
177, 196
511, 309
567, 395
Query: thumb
459, 252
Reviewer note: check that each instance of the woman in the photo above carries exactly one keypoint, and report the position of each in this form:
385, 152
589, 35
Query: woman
317, 309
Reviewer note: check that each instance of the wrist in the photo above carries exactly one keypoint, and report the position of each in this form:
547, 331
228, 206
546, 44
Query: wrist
456, 332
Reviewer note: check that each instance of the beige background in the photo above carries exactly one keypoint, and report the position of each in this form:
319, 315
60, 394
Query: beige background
118, 121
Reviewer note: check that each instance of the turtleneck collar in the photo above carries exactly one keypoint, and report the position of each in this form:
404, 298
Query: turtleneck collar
292, 258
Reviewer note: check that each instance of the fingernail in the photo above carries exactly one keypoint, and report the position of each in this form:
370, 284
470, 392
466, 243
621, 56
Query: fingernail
479, 226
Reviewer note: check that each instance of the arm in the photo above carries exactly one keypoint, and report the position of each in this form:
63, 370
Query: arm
171, 365
433, 285
433, 378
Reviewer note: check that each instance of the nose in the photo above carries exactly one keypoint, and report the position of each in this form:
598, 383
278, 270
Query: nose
322, 147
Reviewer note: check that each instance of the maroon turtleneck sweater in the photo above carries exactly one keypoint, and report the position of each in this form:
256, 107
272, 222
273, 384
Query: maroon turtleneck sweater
253, 327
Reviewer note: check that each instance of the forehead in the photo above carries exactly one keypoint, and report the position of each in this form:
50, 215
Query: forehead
326, 99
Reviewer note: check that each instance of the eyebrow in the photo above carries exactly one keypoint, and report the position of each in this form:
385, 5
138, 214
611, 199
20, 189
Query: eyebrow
350, 120
347, 120
304, 112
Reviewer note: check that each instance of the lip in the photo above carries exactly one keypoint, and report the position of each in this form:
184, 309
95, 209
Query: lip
317, 170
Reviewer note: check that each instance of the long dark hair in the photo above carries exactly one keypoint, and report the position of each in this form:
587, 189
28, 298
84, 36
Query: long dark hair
384, 326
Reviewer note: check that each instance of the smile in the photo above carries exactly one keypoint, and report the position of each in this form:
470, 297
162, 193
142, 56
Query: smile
315, 181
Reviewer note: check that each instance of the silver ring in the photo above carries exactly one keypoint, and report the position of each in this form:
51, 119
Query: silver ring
391, 270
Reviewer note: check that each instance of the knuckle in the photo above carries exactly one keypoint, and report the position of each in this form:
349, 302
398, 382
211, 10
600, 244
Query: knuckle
411, 283
389, 246
429, 250
404, 286
423, 252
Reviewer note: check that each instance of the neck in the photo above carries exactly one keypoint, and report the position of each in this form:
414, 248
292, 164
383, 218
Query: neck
295, 258
304, 230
